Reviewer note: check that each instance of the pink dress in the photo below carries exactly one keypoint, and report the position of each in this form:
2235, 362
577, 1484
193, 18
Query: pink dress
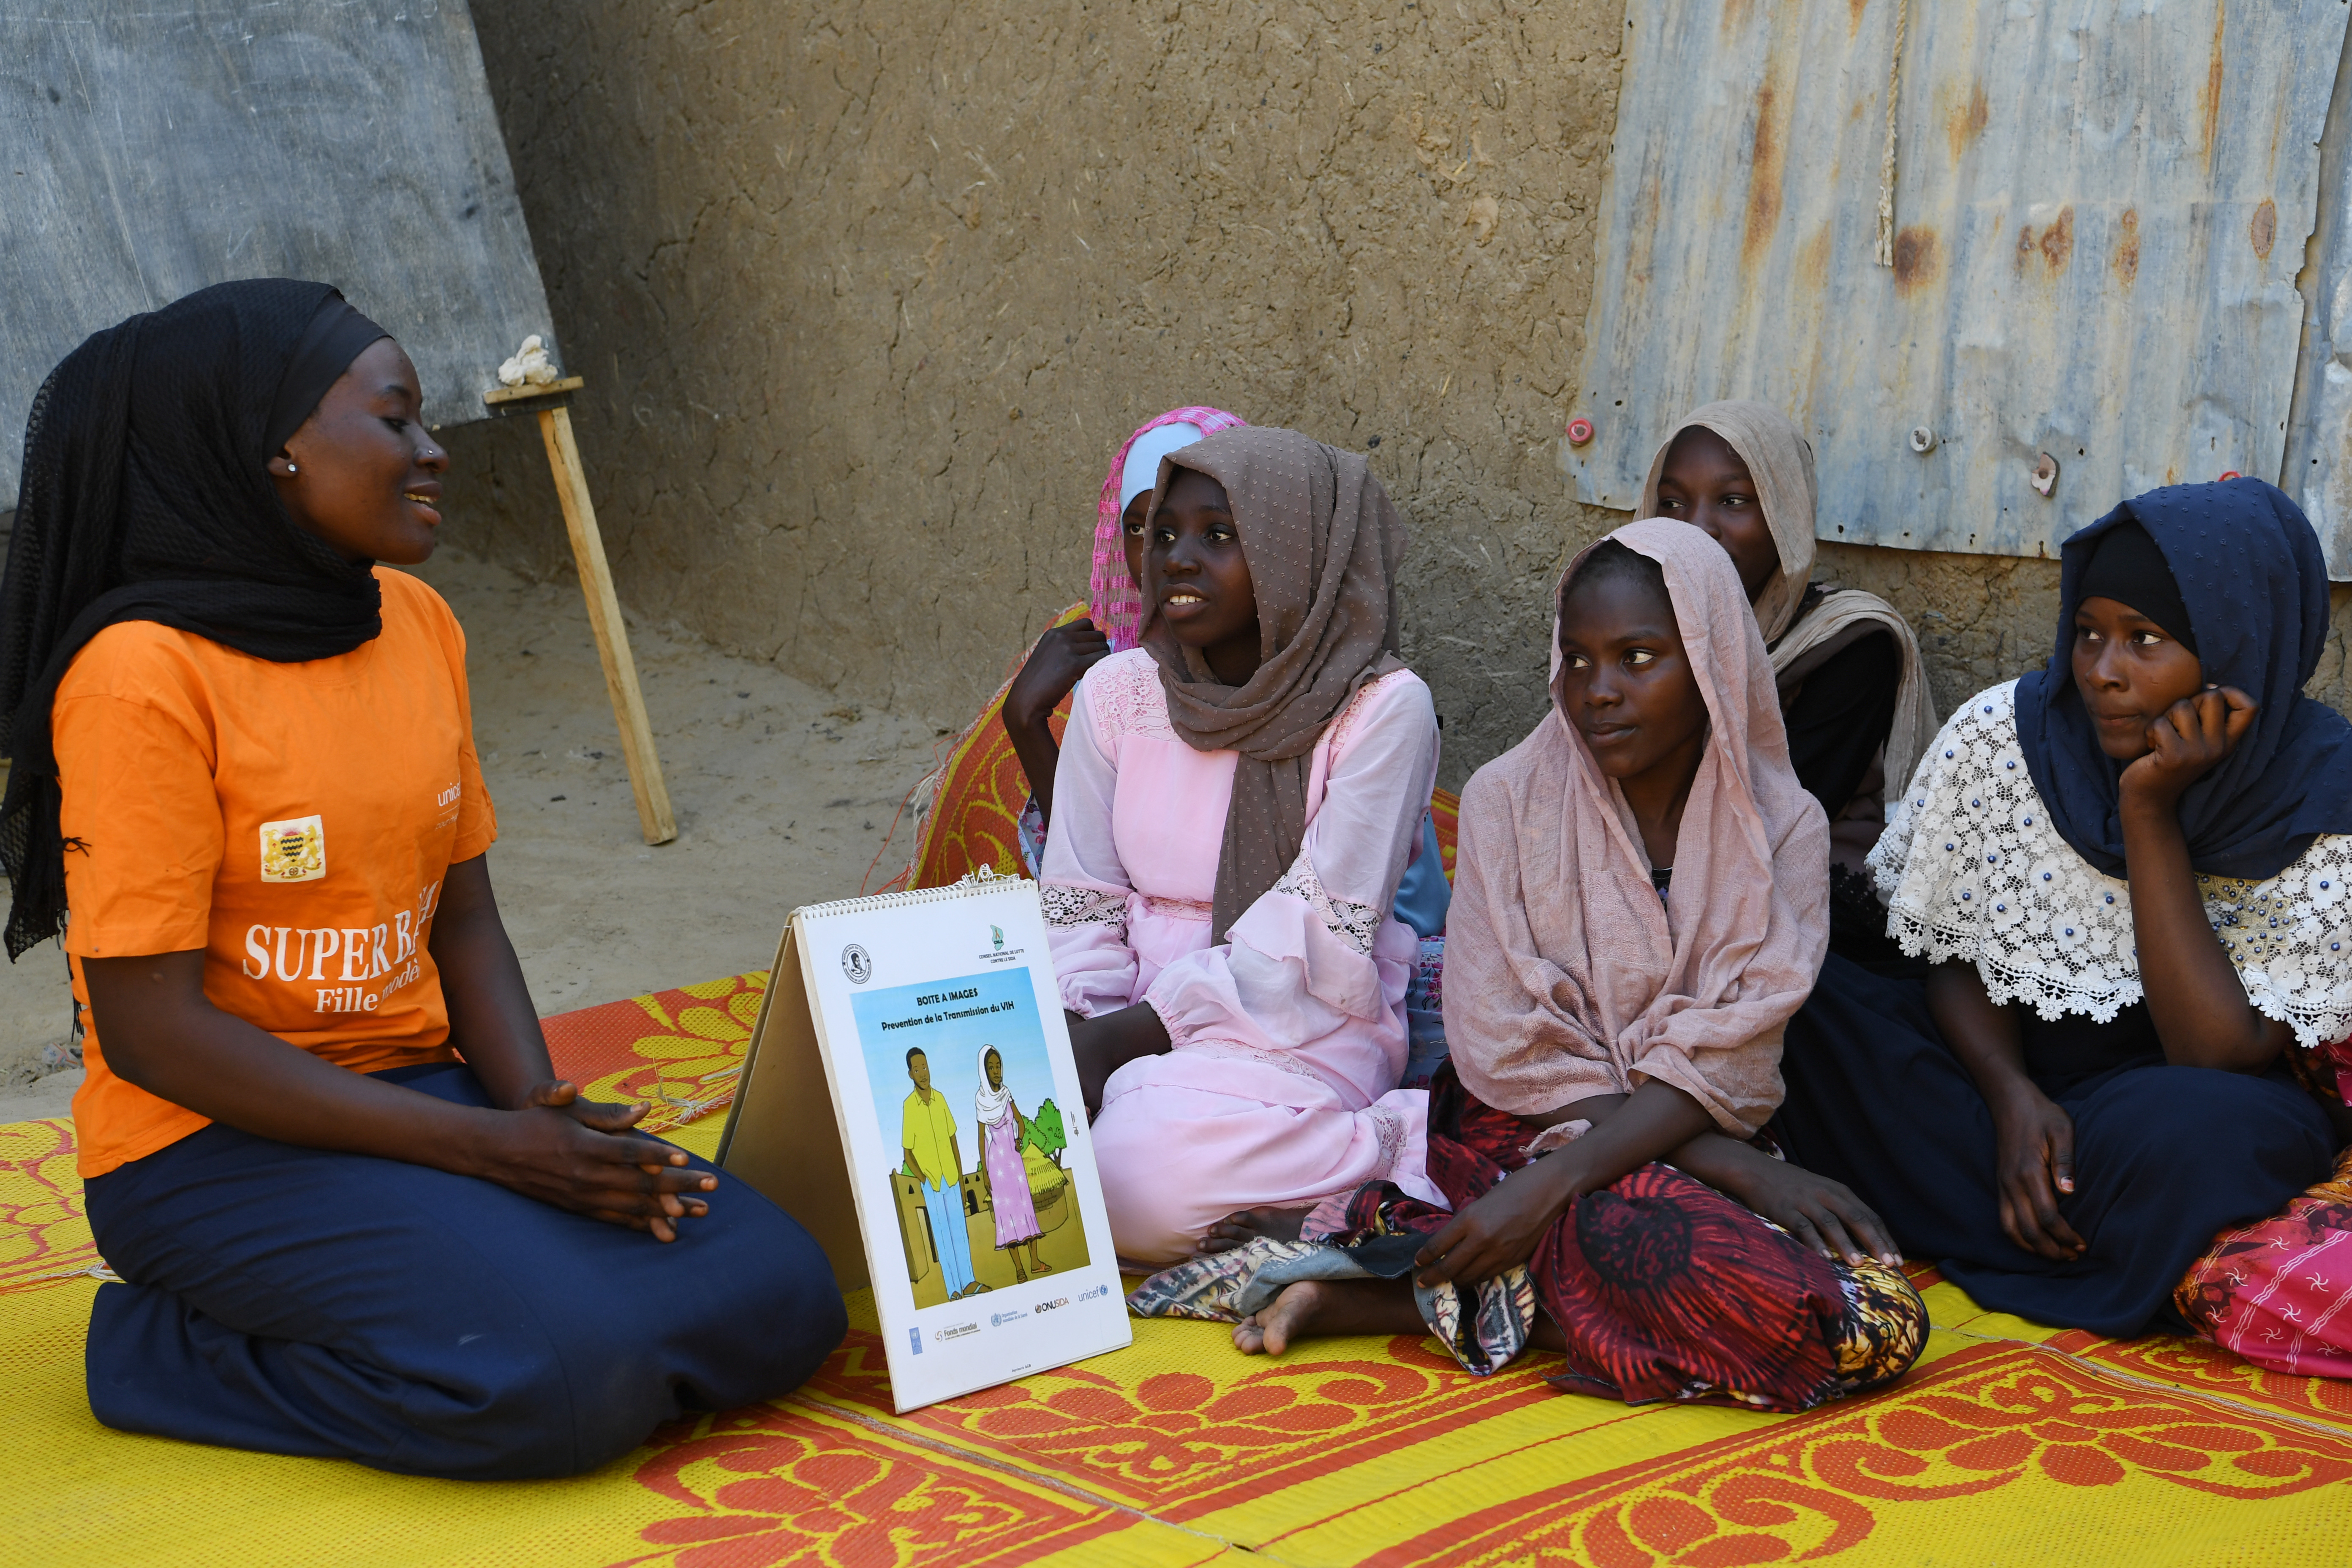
1281, 1087
1008, 1179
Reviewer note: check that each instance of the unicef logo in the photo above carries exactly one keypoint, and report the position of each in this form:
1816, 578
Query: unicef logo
855, 965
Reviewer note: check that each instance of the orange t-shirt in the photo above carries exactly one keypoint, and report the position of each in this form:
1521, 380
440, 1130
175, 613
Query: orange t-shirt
295, 821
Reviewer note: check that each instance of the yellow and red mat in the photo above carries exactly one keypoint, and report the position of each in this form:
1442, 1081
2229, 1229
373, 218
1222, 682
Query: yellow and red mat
2007, 1444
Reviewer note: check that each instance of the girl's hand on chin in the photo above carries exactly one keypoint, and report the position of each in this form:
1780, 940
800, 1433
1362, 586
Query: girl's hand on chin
2192, 738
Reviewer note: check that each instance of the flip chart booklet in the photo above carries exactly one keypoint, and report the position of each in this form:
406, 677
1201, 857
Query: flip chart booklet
909, 1096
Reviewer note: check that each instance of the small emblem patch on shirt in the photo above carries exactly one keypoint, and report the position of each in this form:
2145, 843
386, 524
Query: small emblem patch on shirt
294, 851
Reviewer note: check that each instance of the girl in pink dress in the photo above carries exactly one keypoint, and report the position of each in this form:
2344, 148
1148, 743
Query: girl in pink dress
1001, 1126
1235, 802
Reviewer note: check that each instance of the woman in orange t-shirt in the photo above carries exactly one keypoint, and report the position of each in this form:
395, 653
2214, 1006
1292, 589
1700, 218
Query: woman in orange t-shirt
355, 1212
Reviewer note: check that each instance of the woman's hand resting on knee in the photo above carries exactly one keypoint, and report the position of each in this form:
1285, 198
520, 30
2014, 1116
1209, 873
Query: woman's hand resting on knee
158, 1031
2033, 1161
1822, 1213
2035, 1164
578, 1154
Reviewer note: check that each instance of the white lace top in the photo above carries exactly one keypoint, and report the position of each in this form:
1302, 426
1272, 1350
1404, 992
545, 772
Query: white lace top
1971, 868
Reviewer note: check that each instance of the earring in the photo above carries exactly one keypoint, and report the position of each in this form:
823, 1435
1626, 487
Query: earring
292, 470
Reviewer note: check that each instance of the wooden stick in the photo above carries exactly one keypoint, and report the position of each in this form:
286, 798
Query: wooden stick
611, 632
529, 392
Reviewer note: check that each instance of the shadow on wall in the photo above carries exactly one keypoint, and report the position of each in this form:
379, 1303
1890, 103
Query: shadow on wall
866, 296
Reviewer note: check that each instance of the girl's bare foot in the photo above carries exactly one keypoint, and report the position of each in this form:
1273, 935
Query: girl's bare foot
1314, 1307
1246, 1225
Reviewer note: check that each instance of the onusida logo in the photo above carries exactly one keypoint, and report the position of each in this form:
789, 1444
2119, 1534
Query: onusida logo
856, 964
1049, 1306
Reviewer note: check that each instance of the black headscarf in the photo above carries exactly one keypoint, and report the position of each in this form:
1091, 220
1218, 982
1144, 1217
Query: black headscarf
2246, 569
2126, 566
145, 497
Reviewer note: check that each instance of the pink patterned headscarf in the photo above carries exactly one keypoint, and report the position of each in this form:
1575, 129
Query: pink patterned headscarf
1586, 982
1112, 599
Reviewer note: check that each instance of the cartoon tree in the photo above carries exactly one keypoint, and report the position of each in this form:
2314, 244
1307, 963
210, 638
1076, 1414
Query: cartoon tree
1044, 1133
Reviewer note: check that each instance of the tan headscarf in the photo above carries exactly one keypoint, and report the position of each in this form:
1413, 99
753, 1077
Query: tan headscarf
1566, 974
1323, 542
1780, 460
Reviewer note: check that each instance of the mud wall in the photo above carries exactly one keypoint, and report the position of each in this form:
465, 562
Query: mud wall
866, 295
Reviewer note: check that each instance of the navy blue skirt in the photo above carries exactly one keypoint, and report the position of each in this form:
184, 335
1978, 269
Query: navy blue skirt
306, 1301
2165, 1157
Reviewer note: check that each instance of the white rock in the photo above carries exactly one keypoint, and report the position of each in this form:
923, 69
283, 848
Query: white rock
530, 366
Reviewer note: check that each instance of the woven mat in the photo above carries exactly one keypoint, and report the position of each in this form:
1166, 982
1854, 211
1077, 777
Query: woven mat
2007, 1444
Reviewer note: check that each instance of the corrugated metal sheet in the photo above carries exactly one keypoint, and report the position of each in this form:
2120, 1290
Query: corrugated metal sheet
148, 149
2319, 433
2102, 208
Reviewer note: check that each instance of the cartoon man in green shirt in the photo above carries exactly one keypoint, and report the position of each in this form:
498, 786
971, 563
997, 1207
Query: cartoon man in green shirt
928, 1134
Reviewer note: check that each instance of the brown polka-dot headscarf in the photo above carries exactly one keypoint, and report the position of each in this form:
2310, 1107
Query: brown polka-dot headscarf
1323, 542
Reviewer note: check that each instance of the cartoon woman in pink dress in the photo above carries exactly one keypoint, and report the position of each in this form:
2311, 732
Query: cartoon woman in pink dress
1007, 1179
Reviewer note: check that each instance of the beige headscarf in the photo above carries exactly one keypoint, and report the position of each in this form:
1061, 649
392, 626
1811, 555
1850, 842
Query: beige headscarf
1780, 460
1566, 974
1323, 542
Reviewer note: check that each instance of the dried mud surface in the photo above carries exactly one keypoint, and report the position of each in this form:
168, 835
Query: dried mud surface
866, 295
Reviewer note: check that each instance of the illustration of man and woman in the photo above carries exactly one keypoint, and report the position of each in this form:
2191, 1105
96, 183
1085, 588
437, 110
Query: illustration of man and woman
934, 1158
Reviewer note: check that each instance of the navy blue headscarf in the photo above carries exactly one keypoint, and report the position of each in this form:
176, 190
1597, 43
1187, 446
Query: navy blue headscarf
2249, 568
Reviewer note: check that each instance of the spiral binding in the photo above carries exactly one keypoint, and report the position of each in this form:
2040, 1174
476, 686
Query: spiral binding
983, 880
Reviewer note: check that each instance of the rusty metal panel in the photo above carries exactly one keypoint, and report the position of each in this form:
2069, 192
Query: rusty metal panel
2102, 206
2319, 470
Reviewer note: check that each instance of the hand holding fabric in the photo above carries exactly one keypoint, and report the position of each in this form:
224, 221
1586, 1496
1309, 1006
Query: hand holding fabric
1501, 1229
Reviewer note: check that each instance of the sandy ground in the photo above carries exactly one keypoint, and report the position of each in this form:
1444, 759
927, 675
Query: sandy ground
783, 793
